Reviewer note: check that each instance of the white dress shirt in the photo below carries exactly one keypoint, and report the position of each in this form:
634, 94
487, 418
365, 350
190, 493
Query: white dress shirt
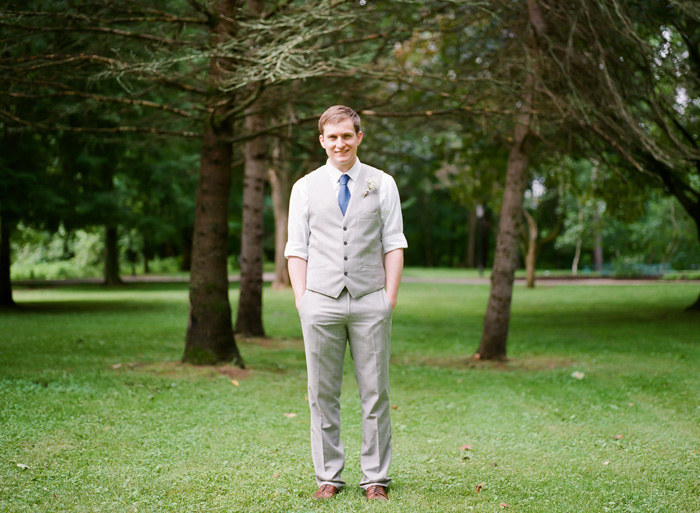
389, 206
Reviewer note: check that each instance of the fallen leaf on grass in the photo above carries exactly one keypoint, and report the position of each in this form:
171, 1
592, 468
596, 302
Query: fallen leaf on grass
23, 466
504, 505
478, 488
606, 463
577, 375
466, 447
618, 437
235, 382
117, 366
275, 475
290, 415
395, 407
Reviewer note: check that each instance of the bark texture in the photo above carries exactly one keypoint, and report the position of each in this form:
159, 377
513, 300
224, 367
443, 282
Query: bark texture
111, 256
249, 320
209, 338
6, 299
497, 317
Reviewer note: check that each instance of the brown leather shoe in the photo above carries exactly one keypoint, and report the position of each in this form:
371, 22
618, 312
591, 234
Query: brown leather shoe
326, 492
377, 492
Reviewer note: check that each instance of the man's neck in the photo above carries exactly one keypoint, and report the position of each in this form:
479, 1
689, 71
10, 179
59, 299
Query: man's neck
345, 168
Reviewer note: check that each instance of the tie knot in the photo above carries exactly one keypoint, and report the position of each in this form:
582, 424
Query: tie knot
344, 179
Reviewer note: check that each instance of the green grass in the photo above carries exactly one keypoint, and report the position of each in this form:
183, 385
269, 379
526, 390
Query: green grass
94, 405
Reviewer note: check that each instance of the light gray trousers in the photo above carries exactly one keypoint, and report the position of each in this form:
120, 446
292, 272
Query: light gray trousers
365, 324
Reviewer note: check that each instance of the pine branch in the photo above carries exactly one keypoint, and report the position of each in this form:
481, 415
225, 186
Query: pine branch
166, 18
102, 30
95, 130
100, 98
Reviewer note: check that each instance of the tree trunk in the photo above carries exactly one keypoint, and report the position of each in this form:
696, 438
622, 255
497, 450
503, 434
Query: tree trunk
598, 242
210, 337
111, 259
471, 239
6, 299
279, 178
579, 241
497, 318
249, 320
531, 256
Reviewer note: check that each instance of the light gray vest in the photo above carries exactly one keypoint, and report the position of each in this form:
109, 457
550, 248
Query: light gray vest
344, 252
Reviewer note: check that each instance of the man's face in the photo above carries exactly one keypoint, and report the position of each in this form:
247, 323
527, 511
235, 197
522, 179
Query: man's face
340, 142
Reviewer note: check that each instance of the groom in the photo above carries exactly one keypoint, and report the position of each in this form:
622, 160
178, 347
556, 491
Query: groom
345, 258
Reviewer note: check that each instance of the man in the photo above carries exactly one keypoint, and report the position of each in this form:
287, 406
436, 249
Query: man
345, 259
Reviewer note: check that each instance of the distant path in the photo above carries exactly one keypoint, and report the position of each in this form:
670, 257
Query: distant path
268, 277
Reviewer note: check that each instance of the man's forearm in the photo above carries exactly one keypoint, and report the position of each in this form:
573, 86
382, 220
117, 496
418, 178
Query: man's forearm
297, 276
393, 267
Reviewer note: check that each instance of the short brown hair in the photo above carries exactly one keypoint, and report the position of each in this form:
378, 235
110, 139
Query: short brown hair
336, 114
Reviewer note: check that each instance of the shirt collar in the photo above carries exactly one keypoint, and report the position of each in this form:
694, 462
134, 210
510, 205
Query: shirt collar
353, 172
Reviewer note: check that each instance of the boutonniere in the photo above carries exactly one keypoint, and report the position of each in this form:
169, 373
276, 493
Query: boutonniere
371, 185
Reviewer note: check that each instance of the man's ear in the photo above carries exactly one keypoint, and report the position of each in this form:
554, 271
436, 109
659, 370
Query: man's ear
320, 139
360, 135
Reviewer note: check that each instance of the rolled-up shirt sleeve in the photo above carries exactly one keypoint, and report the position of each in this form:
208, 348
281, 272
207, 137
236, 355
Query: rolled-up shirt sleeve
298, 225
392, 219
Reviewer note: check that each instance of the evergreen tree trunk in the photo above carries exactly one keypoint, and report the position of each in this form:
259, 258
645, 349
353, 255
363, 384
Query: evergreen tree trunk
249, 320
579, 241
598, 242
209, 338
6, 299
111, 257
278, 177
497, 318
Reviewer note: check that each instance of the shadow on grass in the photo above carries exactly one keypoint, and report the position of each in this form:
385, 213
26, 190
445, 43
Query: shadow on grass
83, 306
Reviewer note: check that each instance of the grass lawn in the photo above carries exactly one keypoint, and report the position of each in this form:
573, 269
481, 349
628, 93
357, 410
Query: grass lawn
98, 417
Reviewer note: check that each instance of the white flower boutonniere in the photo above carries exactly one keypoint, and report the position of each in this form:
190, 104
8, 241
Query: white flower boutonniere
371, 185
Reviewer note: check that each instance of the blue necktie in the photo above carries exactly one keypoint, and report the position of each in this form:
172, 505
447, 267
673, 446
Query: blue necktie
344, 193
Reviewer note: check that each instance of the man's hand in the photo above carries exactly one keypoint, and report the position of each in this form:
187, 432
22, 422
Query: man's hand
297, 275
393, 266
393, 298
297, 299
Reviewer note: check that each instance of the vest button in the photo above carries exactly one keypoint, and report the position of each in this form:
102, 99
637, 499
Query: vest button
345, 258
345, 228
345, 274
345, 243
